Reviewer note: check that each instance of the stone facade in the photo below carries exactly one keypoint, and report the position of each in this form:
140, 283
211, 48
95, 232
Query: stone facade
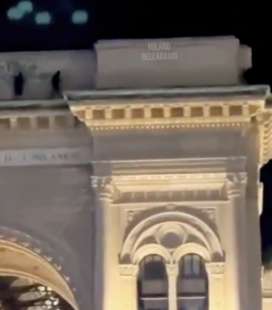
95, 182
179, 176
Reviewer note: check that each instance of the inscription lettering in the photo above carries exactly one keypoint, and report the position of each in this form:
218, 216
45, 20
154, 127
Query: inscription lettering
159, 51
45, 157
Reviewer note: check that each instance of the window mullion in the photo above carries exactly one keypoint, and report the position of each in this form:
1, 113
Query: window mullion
172, 273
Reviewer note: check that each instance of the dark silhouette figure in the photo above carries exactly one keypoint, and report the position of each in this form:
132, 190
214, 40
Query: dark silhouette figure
18, 84
266, 217
56, 83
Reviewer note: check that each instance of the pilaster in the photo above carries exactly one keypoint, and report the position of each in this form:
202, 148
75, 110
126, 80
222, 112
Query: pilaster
216, 278
106, 250
129, 273
236, 278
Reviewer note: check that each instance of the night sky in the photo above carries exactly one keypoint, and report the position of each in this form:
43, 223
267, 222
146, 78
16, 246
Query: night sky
136, 19
76, 24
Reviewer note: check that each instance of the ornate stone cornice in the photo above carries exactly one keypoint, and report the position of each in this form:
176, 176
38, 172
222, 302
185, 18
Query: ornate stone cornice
184, 195
180, 178
109, 115
171, 187
33, 119
265, 124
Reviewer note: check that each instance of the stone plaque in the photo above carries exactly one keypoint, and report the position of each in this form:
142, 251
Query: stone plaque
168, 62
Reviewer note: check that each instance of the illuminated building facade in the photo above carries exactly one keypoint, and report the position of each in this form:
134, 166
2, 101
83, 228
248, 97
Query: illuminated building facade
137, 189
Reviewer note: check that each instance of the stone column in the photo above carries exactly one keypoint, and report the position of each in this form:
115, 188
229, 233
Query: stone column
216, 279
172, 272
106, 245
254, 209
129, 275
235, 246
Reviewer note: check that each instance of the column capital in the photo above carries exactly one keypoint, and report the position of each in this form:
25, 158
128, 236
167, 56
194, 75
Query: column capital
216, 274
236, 184
172, 269
128, 270
215, 268
104, 187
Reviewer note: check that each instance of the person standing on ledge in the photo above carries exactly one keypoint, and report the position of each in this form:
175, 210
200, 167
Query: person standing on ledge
18, 84
56, 84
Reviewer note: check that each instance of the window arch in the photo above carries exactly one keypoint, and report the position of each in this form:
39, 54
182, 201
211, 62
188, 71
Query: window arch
192, 288
152, 284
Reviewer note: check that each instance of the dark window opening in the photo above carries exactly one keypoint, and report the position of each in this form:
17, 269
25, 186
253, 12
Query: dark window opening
152, 284
192, 287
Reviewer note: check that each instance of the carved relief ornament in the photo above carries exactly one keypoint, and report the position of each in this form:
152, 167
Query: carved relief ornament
215, 268
236, 184
105, 187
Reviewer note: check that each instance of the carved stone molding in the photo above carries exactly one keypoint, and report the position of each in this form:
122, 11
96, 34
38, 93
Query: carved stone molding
265, 123
236, 184
102, 115
31, 120
164, 232
105, 187
215, 268
175, 195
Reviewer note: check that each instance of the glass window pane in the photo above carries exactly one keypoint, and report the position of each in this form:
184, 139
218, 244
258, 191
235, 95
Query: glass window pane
192, 284
196, 265
152, 284
187, 268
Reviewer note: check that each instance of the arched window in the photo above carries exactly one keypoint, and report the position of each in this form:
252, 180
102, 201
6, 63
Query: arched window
192, 284
152, 284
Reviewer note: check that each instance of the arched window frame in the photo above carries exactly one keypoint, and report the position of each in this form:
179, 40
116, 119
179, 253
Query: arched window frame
209, 248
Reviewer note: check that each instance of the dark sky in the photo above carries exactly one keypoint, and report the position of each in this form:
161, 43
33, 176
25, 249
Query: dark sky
138, 19
146, 19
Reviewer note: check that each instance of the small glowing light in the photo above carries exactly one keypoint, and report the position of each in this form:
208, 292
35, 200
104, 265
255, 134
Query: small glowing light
43, 18
14, 14
80, 17
25, 6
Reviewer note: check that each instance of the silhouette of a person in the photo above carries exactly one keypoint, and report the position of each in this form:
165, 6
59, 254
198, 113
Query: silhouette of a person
56, 83
18, 84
